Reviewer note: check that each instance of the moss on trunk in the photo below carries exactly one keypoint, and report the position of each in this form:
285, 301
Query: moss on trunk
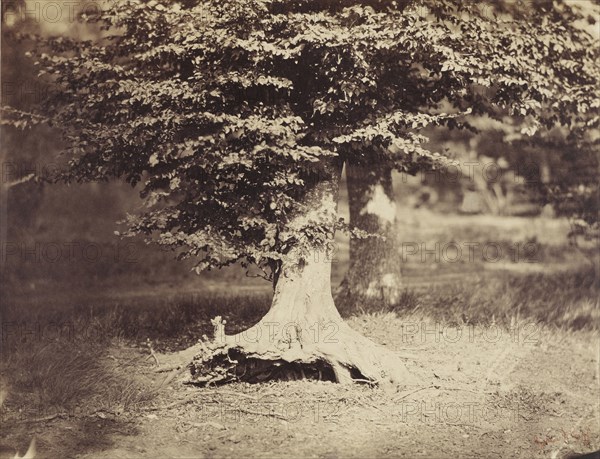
374, 275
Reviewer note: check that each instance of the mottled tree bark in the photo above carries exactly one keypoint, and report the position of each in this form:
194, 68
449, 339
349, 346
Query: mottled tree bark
302, 332
375, 269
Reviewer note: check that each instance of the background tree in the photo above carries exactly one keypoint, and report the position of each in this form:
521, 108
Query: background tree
374, 274
375, 269
235, 118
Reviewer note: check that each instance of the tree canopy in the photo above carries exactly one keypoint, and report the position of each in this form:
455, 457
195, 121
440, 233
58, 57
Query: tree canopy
227, 111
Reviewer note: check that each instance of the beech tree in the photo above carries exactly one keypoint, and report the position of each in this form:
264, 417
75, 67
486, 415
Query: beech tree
235, 117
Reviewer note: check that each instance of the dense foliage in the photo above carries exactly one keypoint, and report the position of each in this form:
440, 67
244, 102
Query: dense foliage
225, 111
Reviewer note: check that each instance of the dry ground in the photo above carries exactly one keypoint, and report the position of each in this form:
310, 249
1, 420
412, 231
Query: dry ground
481, 392
505, 360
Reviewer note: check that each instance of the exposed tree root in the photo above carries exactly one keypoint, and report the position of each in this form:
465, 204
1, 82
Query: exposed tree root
302, 335
347, 357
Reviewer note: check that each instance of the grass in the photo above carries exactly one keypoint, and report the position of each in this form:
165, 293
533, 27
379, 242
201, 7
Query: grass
564, 299
64, 376
58, 358
58, 350
70, 365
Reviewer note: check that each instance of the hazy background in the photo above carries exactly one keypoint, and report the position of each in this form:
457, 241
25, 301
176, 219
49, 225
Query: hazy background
60, 240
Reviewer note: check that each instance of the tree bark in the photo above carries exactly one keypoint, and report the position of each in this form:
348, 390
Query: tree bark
374, 274
303, 334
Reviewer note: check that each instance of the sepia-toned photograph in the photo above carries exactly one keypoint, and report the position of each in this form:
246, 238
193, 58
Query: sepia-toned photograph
300, 229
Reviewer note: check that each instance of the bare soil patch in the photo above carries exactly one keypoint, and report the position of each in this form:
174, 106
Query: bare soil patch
481, 392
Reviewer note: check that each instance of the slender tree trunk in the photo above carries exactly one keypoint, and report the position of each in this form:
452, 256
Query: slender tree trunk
374, 274
302, 335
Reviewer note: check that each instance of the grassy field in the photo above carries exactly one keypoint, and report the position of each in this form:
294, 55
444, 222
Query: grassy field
515, 332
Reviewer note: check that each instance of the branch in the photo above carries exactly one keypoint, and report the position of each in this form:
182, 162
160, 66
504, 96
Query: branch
25, 179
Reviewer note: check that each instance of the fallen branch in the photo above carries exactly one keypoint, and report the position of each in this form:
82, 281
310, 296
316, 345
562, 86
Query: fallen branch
169, 368
48, 418
65, 415
235, 394
261, 413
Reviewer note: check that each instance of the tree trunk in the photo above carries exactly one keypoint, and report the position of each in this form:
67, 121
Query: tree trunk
374, 274
302, 335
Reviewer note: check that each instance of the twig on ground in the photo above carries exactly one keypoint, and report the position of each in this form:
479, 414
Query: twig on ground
465, 390
366, 381
168, 368
235, 394
415, 391
67, 415
152, 353
48, 418
261, 413
171, 405
171, 376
